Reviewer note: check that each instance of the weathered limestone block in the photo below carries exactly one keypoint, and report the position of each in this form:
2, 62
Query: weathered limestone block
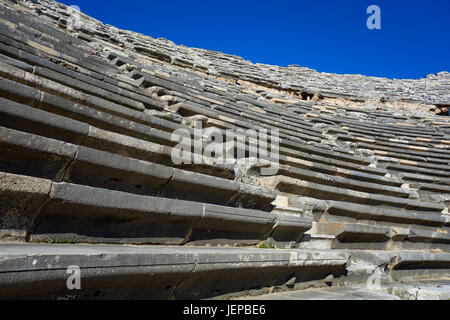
32, 155
290, 227
18, 116
159, 272
354, 232
21, 199
79, 213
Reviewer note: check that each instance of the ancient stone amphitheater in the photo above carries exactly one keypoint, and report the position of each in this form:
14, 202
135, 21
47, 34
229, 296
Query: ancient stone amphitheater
358, 207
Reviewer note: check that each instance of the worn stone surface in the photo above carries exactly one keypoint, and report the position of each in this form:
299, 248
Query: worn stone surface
154, 271
21, 199
89, 121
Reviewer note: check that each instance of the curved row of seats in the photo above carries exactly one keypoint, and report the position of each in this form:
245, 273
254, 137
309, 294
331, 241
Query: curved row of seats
86, 136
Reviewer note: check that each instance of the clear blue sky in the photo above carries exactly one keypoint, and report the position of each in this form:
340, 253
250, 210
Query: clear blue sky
326, 35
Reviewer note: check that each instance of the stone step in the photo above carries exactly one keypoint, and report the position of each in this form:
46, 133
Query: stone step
422, 160
372, 133
384, 158
240, 114
59, 99
355, 236
405, 141
365, 129
88, 82
24, 118
287, 142
158, 272
104, 120
336, 171
397, 265
355, 226
421, 260
59, 49
28, 154
414, 178
85, 114
414, 170
390, 129
360, 212
326, 192
283, 126
348, 182
360, 236
294, 146
69, 212
287, 146
326, 158
9, 46
432, 187
352, 232
417, 235
440, 140
423, 152
13, 15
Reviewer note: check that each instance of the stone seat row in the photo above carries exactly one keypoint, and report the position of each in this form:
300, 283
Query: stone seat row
52, 102
43, 123
170, 127
355, 225
48, 211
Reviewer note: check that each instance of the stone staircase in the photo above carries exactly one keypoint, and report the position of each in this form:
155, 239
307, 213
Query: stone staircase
87, 177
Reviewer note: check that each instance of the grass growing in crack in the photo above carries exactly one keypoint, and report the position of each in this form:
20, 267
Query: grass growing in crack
266, 246
55, 241
69, 241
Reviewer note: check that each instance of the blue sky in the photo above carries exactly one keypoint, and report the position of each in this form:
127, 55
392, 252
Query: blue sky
326, 35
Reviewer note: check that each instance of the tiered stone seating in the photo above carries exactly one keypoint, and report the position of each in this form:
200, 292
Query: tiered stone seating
87, 117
